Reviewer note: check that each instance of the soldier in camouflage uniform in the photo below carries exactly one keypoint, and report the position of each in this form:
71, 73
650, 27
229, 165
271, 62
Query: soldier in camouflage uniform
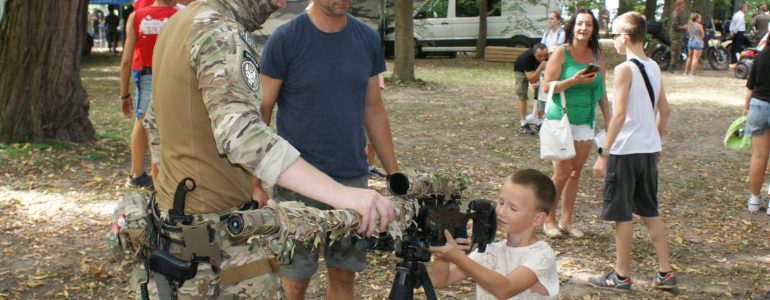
677, 31
206, 111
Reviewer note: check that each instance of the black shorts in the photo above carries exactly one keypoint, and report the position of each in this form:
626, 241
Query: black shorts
631, 186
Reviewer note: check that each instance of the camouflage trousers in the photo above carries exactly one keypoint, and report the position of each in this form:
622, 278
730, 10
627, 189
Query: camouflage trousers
237, 258
677, 41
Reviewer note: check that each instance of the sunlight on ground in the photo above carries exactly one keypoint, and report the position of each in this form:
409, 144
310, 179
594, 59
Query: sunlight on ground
61, 206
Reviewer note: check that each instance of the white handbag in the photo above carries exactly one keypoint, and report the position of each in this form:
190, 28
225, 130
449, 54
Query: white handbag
556, 135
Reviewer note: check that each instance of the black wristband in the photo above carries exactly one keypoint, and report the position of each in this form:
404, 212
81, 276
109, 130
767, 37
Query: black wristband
126, 96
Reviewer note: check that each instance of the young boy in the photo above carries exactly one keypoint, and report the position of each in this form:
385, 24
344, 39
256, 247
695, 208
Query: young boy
632, 146
521, 267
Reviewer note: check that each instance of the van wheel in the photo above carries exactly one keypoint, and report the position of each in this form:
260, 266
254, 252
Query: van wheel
418, 50
519, 42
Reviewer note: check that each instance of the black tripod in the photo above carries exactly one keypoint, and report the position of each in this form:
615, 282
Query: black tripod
411, 272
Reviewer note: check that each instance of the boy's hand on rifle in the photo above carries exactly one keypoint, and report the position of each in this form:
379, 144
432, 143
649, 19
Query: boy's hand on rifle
452, 249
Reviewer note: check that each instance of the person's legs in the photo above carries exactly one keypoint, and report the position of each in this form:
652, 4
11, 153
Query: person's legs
695, 54
294, 289
624, 234
659, 238
760, 149
757, 124
561, 172
689, 62
569, 194
138, 146
340, 284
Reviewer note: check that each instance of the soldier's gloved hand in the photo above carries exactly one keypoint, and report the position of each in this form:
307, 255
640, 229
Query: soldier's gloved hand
372, 207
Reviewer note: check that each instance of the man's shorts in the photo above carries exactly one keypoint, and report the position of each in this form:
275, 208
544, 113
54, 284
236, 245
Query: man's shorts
342, 254
758, 118
630, 186
520, 86
143, 92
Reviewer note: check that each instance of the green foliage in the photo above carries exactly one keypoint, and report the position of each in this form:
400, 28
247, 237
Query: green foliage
18, 150
753, 6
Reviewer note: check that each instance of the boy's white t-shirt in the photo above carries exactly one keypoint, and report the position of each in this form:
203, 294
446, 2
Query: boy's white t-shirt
538, 257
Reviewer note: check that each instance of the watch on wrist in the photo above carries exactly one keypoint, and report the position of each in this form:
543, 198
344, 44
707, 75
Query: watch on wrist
126, 96
602, 152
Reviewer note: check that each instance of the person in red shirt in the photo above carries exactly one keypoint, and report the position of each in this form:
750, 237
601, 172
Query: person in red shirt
142, 31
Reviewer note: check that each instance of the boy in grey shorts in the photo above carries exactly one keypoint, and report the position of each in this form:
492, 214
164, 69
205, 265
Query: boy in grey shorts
527, 69
633, 146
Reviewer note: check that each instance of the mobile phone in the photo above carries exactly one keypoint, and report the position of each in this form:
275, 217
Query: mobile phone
592, 68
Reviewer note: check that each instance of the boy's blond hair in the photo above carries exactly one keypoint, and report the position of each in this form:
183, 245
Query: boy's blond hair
633, 24
540, 185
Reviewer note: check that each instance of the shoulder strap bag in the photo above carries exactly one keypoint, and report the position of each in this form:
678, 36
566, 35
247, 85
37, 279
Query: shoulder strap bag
556, 135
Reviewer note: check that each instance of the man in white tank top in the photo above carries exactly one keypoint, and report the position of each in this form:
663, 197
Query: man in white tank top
629, 154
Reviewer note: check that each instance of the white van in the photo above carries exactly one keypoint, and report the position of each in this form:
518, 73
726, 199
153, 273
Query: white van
453, 25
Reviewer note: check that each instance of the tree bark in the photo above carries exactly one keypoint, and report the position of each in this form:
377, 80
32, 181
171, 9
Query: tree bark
481, 42
41, 95
668, 9
650, 7
625, 6
404, 44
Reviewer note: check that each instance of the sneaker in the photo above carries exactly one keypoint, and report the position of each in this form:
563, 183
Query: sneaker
373, 172
664, 282
753, 204
768, 208
611, 282
143, 181
538, 126
526, 130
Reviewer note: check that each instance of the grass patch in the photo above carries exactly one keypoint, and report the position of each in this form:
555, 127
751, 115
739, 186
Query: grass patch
94, 155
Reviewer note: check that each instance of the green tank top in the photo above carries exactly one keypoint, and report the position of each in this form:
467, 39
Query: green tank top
581, 99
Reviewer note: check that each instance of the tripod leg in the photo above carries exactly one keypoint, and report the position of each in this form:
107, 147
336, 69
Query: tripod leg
427, 285
403, 284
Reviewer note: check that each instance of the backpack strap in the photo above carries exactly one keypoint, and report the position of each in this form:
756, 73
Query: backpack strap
646, 80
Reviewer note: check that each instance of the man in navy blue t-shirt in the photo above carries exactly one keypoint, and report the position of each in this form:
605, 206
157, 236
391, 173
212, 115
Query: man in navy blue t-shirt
321, 69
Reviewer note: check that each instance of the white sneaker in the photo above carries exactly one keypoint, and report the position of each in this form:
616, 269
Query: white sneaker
768, 207
754, 204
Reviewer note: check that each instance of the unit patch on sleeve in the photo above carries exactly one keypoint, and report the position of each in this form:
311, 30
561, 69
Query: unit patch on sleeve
249, 70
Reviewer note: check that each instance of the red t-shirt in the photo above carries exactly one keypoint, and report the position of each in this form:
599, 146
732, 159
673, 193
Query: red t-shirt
148, 22
136, 61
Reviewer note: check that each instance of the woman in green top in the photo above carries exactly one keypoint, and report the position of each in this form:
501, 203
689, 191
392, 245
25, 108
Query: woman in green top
583, 92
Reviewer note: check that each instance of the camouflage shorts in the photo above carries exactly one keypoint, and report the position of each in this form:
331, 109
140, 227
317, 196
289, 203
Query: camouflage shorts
520, 86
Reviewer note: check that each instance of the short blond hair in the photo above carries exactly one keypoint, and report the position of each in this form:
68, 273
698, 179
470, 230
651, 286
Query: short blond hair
633, 24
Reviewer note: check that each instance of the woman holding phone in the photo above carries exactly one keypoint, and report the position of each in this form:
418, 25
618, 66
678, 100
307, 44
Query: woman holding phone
577, 68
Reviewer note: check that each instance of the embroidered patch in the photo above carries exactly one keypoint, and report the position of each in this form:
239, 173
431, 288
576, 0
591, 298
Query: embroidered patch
249, 70
247, 38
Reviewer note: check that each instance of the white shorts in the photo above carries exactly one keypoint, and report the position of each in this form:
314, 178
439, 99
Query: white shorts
582, 133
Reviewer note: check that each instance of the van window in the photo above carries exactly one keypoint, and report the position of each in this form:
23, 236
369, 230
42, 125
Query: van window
435, 8
470, 8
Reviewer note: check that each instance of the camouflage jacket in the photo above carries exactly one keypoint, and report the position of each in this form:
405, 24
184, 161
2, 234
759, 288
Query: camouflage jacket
677, 21
223, 57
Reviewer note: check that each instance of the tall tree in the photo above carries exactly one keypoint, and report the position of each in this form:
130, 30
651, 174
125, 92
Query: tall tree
41, 96
481, 42
404, 44
649, 9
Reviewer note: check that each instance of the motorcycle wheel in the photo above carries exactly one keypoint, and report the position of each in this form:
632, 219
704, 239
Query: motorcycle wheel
663, 58
719, 58
742, 70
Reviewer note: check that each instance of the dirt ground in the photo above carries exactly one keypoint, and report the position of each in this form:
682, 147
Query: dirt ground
56, 199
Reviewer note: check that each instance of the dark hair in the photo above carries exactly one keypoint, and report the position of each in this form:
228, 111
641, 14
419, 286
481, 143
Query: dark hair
539, 46
633, 24
540, 184
569, 33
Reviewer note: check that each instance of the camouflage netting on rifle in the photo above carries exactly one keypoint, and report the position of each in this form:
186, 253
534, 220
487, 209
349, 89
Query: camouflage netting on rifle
421, 184
279, 227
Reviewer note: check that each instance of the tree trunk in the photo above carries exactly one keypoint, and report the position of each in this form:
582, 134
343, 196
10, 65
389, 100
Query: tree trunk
650, 7
705, 8
625, 6
668, 9
481, 42
41, 96
404, 44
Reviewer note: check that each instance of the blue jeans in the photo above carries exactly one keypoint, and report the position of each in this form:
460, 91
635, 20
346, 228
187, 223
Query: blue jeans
143, 92
759, 117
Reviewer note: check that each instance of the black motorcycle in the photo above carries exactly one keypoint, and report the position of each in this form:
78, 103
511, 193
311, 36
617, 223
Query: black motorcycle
718, 56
